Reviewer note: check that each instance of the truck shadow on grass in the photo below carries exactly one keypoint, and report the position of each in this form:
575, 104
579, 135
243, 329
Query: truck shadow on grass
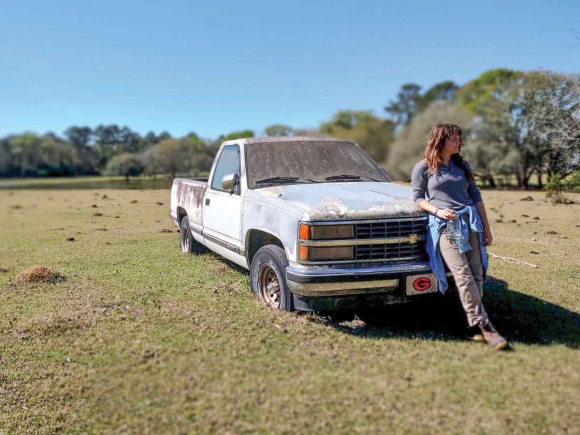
520, 318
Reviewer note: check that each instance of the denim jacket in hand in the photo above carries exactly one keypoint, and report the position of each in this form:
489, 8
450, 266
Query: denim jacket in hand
435, 227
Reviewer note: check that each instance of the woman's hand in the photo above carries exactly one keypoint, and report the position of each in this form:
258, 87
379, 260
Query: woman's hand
446, 214
487, 237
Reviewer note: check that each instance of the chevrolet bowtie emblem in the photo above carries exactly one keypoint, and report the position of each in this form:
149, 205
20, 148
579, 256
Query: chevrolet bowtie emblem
413, 238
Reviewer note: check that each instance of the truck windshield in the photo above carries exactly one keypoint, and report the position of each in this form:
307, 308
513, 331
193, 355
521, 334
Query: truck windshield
315, 161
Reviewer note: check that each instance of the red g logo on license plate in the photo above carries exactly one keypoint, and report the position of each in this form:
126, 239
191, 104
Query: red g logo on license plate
421, 284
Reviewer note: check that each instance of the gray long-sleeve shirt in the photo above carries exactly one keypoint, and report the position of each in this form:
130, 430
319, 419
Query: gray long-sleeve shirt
449, 188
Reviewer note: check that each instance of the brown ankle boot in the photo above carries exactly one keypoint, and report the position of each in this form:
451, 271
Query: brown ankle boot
492, 337
473, 333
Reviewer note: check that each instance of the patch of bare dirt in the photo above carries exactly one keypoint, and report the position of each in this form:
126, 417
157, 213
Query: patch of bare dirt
37, 274
230, 287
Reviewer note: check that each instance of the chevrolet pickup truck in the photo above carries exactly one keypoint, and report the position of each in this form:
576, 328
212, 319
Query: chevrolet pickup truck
318, 224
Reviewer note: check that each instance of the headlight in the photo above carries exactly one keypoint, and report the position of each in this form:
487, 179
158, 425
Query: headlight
325, 232
332, 232
331, 253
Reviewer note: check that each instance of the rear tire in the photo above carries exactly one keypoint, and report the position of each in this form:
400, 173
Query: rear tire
186, 241
268, 278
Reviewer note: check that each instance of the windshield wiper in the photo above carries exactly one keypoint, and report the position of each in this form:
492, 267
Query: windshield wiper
349, 177
272, 180
343, 177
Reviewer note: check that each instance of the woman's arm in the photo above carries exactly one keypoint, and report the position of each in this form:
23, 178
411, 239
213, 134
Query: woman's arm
430, 208
487, 237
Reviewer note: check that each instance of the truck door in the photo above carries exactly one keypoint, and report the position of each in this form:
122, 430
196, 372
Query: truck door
222, 210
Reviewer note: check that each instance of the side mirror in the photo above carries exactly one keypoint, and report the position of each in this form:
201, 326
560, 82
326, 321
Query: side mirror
229, 182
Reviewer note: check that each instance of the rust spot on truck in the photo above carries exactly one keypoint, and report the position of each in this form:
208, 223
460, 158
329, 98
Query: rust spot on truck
197, 195
190, 194
190, 197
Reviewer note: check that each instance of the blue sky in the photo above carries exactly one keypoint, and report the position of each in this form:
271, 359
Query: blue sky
215, 67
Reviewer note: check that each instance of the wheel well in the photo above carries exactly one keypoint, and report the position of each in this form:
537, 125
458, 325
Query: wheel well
256, 239
181, 213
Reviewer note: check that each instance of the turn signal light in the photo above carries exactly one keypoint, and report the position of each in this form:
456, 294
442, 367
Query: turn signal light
304, 232
303, 253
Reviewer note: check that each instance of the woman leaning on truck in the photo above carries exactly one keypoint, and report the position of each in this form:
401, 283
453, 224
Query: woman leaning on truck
458, 230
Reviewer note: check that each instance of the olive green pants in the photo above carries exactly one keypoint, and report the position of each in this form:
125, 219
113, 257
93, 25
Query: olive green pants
467, 271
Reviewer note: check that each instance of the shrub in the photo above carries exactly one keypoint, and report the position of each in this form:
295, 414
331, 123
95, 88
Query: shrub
554, 189
126, 164
572, 182
558, 184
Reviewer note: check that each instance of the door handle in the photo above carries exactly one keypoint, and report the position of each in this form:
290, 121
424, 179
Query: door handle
207, 201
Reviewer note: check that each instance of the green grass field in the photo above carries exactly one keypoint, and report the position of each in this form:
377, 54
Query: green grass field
140, 338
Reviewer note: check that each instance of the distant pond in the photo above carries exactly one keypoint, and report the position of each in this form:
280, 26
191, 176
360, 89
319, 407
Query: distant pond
81, 183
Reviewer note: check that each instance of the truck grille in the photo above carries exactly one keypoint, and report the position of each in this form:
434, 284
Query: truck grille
369, 241
387, 229
391, 252
383, 230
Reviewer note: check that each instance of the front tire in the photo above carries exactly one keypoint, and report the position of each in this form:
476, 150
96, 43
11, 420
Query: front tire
268, 277
186, 241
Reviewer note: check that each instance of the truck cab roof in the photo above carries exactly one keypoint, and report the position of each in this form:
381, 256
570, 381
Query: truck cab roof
278, 139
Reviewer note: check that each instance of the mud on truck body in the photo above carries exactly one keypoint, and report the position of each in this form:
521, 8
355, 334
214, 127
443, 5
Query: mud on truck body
319, 225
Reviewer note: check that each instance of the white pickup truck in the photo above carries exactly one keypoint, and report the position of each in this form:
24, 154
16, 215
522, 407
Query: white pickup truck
319, 225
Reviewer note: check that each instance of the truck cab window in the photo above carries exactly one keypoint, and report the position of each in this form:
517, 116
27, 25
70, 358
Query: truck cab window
228, 163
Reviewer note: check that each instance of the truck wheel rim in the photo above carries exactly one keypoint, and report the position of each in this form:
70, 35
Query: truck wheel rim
269, 287
185, 240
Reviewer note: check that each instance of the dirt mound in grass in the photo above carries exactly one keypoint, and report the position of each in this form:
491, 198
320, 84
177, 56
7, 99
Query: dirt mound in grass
37, 274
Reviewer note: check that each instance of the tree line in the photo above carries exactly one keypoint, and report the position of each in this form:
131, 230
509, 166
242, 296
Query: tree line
515, 124
107, 150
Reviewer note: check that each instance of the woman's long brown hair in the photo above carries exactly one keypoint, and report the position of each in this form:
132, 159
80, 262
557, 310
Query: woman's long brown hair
435, 145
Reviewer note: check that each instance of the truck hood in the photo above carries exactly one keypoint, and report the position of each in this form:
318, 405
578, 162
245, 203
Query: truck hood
343, 201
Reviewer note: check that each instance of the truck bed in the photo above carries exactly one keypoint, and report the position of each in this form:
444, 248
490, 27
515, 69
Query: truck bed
188, 193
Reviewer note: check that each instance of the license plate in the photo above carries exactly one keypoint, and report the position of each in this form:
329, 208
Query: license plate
420, 284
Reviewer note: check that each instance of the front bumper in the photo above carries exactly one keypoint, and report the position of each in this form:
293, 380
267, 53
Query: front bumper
328, 289
321, 282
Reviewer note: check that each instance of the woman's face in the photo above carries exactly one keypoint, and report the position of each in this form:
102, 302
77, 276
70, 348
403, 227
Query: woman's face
452, 144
